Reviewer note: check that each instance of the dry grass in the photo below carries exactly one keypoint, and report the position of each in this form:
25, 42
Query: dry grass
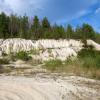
87, 64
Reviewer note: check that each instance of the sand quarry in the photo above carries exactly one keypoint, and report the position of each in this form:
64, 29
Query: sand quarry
48, 87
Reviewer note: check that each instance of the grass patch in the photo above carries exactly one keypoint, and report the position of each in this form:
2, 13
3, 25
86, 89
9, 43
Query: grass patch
22, 56
35, 62
4, 54
86, 64
53, 65
34, 51
4, 61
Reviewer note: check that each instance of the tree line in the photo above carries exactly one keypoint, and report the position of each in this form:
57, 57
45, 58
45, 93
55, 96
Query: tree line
14, 26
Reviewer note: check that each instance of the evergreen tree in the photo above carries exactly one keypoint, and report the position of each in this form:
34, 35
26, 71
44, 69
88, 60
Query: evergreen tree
88, 32
69, 32
45, 27
35, 27
45, 23
14, 26
97, 37
78, 33
24, 27
4, 20
58, 32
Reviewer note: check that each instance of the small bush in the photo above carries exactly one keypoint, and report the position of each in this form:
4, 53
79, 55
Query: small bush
22, 56
90, 58
88, 53
4, 61
53, 65
4, 54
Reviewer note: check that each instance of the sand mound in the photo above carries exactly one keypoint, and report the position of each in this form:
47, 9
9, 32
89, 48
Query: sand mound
94, 44
48, 49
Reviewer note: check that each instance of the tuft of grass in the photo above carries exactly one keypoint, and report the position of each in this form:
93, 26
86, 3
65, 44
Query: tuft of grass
53, 65
34, 52
22, 56
4, 61
4, 54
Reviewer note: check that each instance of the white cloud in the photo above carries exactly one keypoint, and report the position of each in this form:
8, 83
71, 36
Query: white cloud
5, 7
21, 7
55, 10
76, 16
97, 10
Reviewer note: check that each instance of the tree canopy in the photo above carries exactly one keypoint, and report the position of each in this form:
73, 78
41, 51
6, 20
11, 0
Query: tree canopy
14, 26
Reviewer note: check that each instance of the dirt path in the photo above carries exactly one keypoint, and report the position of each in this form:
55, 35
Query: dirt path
45, 87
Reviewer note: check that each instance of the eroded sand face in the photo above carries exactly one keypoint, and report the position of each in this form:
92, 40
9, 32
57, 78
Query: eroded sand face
48, 88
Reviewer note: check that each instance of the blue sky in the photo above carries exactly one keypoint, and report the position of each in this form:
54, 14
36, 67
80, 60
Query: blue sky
74, 12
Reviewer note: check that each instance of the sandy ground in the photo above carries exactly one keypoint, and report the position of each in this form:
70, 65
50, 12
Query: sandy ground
47, 87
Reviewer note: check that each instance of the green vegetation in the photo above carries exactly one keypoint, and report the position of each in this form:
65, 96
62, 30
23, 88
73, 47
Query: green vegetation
34, 52
4, 61
53, 65
20, 27
22, 56
35, 62
4, 54
91, 58
87, 64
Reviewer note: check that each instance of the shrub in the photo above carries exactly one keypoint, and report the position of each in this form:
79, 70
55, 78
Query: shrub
88, 53
4, 61
90, 58
53, 65
22, 56
75, 63
4, 54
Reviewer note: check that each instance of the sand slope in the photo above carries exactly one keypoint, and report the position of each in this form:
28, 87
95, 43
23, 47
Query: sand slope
48, 88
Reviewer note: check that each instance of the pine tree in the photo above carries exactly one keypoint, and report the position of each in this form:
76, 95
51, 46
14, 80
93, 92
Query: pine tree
4, 20
35, 28
88, 32
78, 33
45, 23
24, 27
69, 32
45, 27
58, 32
14, 26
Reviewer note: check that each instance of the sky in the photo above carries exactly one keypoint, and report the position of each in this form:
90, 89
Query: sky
62, 12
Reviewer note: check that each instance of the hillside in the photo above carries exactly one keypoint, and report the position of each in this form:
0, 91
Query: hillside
49, 69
